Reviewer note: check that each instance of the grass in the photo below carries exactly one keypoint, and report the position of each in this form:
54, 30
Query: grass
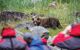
54, 32
63, 11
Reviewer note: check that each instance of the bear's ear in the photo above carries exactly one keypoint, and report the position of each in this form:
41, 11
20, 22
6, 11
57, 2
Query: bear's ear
38, 18
33, 19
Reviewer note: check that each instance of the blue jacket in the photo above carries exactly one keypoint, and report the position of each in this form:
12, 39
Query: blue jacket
37, 44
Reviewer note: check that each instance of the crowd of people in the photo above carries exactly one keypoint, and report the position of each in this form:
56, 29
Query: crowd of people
37, 39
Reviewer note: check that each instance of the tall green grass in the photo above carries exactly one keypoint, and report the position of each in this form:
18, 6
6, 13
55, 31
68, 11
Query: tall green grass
64, 10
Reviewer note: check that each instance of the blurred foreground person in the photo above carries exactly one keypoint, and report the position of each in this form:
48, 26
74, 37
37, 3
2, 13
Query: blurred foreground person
69, 38
34, 42
9, 40
42, 32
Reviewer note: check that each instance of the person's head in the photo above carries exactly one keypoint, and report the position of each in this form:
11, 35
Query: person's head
28, 37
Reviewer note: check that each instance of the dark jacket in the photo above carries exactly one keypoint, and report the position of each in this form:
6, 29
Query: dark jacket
9, 41
70, 42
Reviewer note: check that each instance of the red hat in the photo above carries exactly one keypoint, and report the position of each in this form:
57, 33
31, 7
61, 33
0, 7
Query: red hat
44, 41
75, 31
8, 32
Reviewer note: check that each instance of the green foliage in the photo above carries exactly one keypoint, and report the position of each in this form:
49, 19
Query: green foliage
64, 10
